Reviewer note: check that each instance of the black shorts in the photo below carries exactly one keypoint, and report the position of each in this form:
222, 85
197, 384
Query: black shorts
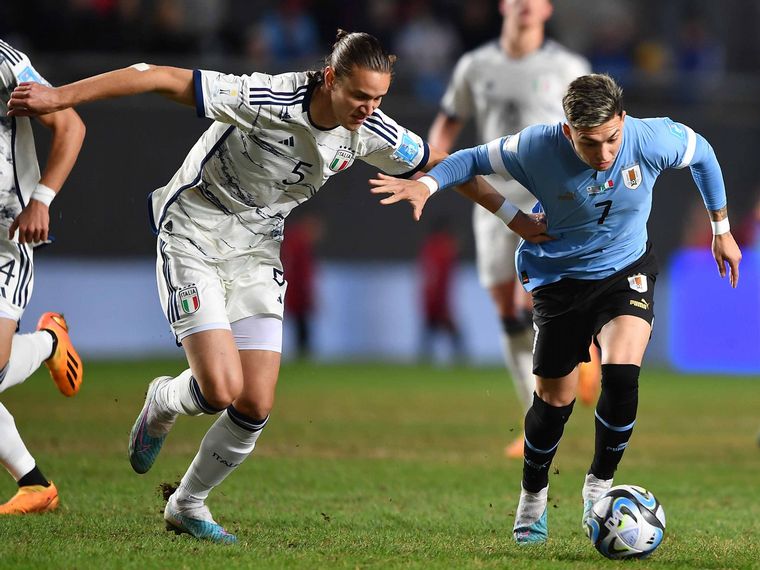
568, 314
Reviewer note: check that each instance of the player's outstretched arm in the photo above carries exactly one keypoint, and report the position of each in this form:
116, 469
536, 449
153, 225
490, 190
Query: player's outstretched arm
401, 189
30, 99
530, 227
724, 247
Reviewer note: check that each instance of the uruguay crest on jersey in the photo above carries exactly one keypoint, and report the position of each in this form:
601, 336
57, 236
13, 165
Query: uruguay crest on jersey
632, 176
638, 283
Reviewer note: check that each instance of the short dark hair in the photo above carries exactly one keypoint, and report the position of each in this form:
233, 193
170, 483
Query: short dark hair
592, 100
356, 49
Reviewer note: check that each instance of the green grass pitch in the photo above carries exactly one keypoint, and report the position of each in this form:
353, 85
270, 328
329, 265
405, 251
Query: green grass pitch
381, 466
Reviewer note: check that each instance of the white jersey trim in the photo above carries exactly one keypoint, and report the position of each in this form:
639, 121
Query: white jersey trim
691, 147
494, 156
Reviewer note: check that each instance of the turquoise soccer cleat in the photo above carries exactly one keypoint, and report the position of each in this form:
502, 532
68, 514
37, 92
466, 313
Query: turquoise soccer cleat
196, 522
143, 447
588, 504
536, 533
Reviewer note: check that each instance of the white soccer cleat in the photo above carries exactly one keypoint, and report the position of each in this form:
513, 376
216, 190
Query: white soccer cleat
593, 489
530, 519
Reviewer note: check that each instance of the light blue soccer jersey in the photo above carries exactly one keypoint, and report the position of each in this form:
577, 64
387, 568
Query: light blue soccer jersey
598, 218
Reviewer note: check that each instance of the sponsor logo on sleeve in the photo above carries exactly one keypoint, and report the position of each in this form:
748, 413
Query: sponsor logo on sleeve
225, 91
407, 151
676, 130
29, 74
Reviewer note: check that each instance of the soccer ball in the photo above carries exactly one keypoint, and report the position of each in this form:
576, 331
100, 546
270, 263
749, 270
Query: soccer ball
627, 522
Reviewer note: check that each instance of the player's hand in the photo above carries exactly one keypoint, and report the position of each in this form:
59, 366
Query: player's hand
725, 251
416, 193
32, 223
530, 227
32, 99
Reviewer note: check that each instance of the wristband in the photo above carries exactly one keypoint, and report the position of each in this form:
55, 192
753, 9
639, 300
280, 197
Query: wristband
721, 227
507, 211
430, 182
43, 194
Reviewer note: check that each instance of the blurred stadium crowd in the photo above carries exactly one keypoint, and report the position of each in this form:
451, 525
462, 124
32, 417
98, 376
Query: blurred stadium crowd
650, 40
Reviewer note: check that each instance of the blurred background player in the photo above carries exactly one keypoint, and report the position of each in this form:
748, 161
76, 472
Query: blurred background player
274, 142
24, 219
507, 84
298, 263
437, 266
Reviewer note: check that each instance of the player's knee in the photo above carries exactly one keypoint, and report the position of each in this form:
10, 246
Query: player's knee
517, 323
551, 410
223, 390
259, 409
620, 379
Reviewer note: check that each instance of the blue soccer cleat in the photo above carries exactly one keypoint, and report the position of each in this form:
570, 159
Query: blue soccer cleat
143, 447
535, 533
196, 522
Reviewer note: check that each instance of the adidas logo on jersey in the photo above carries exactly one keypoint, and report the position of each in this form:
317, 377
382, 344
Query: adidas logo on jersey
288, 142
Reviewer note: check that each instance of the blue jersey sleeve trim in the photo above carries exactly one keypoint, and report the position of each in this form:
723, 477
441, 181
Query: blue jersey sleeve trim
707, 175
462, 166
422, 163
200, 107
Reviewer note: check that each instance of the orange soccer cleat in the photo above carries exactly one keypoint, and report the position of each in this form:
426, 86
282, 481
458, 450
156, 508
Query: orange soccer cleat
515, 449
590, 378
32, 499
64, 364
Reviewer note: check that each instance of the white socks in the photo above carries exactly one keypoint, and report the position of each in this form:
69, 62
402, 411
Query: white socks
177, 396
13, 453
531, 507
518, 354
28, 351
225, 446
594, 488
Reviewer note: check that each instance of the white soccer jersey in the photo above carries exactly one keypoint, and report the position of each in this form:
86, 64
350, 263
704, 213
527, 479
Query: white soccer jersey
262, 157
19, 170
506, 94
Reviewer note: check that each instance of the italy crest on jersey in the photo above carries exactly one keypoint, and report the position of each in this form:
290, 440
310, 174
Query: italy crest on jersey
189, 300
342, 159
632, 177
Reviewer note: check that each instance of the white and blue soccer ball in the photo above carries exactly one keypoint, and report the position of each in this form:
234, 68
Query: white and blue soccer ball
627, 522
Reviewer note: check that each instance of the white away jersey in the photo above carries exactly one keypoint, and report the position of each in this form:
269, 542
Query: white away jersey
504, 94
263, 156
19, 170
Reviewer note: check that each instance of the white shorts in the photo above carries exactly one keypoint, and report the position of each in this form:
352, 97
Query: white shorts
200, 293
495, 243
16, 278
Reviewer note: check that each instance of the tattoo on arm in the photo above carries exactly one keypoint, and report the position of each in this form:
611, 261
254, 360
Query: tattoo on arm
718, 215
